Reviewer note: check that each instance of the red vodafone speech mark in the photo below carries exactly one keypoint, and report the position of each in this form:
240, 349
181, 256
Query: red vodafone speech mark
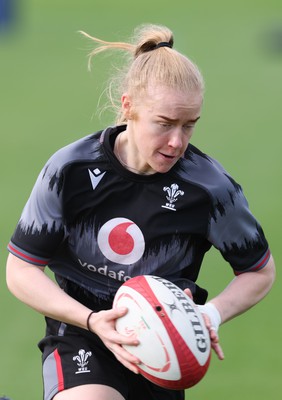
120, 240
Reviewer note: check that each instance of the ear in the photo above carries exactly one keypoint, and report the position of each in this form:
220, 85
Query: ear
126, 106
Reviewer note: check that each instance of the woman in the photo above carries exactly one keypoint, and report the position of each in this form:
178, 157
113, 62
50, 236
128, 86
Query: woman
136, 198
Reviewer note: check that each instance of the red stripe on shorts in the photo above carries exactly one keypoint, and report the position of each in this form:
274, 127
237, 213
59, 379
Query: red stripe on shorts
60, 375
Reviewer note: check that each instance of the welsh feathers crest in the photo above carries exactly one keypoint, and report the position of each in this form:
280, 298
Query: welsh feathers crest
82, 361
173, 193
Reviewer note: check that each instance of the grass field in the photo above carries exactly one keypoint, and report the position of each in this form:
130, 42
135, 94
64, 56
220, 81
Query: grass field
48, 99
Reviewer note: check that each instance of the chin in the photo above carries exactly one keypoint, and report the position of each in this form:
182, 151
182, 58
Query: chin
161, 167
163, 170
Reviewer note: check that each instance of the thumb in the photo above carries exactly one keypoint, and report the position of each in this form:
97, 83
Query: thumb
189, 293
119, 311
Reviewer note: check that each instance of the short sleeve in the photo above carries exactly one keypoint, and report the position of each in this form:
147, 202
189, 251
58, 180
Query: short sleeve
237, 233
40, 229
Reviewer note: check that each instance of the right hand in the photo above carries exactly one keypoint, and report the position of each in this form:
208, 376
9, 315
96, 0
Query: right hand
103, 324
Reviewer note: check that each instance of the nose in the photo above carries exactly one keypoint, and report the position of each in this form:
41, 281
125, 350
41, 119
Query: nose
176, 139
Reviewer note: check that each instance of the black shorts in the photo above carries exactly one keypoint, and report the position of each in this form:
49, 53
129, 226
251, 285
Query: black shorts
72, 357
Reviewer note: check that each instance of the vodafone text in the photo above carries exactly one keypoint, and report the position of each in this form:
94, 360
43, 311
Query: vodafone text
104, 270
194, 320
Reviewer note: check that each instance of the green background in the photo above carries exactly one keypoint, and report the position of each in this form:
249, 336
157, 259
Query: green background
48, 99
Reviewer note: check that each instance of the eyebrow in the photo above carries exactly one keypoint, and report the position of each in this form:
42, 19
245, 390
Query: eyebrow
175, 120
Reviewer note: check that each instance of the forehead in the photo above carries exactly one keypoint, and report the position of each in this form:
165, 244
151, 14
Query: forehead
162, 99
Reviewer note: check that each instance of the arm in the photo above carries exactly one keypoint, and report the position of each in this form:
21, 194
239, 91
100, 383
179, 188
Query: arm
33, 287
244, 291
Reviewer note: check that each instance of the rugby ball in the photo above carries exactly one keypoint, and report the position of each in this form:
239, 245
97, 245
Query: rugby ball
174, 344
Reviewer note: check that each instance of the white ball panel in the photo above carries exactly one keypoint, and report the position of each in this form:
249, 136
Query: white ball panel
155, 349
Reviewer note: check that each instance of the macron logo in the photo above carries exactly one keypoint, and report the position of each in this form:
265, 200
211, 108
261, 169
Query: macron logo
95, 176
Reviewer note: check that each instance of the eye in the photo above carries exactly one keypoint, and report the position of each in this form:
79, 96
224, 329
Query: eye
189, 126
165, 124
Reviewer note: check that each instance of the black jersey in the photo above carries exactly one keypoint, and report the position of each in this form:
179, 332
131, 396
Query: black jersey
96, 224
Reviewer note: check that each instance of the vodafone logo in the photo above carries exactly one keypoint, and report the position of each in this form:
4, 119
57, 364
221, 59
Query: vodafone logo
121, 241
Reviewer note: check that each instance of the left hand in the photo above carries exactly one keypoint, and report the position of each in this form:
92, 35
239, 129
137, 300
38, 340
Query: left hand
213, 333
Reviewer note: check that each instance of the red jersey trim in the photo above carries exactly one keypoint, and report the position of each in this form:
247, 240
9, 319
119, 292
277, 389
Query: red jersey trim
261, 264
24, 256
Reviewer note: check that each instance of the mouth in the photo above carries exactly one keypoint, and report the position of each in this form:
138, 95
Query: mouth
169, 157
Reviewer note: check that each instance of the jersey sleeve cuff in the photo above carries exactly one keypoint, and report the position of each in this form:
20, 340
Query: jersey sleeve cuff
261, 263
26, 256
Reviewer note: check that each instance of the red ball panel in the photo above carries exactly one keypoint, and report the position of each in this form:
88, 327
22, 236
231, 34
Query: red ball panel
191, 370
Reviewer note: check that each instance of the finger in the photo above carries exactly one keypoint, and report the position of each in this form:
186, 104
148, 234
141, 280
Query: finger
218, 350
214, 338
130, 366
207, 321
115, 342
189, 293
118, 312
125, 356
130, 340
213, 334
215, 343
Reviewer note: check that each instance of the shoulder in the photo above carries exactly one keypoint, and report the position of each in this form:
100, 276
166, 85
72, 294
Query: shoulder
51, 176
84, 149
207, 173
233, 229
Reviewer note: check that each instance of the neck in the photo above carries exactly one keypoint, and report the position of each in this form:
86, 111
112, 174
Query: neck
121, 154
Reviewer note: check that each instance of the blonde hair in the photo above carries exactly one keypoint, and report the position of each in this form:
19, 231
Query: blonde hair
147, 64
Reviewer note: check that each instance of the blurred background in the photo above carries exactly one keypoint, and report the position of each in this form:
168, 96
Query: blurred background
49, 99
